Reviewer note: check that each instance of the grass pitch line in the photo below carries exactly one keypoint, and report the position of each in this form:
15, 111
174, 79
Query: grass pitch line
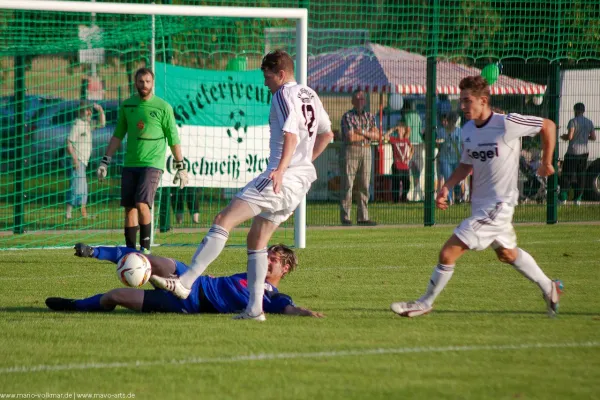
290, 356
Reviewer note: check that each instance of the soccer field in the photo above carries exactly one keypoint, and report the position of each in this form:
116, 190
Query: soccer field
487, 338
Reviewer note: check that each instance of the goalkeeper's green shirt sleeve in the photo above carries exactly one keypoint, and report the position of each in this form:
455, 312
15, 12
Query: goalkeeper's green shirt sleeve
170, 126
121, 129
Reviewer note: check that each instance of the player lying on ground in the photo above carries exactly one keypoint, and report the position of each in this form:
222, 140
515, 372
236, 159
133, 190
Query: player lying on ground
491, 150
227, 294
300, 130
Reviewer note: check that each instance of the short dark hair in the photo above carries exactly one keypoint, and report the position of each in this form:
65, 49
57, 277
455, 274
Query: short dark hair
142, 72
288, 257
579, 107
409, 105
476, 84
277, 60
451, 117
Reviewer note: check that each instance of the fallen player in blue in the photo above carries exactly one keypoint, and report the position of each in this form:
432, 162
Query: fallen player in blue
222, 295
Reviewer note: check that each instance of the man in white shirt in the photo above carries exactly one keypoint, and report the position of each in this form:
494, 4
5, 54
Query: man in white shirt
579, 131
491, 149
79, 147
300, 131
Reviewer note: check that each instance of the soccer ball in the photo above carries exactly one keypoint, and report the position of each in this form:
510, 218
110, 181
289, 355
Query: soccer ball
134, 269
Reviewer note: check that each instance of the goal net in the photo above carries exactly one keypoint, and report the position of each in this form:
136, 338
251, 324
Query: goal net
59, 58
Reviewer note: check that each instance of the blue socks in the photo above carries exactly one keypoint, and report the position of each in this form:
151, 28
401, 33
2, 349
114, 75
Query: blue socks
91, 304
112, 253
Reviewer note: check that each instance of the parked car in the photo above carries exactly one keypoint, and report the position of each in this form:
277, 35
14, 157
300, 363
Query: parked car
50, 127
8, 129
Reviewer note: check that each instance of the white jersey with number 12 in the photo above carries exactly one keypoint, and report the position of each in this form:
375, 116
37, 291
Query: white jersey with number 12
297, 110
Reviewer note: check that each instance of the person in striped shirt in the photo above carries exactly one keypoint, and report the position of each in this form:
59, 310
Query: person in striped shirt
491, 149
300, 131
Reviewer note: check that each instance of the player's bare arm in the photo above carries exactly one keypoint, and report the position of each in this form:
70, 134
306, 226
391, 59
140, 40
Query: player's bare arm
548, 135
303, 312
176, 150
113, 146
101, 116
459, 174
592, 135
569, 135
321, 143
290, 141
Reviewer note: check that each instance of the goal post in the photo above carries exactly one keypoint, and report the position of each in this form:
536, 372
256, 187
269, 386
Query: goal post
299, 15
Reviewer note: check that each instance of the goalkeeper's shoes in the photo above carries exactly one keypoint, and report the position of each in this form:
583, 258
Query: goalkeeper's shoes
145, 251
553, 298
83, 250
411, 309
60, 304
173, 285
246, 315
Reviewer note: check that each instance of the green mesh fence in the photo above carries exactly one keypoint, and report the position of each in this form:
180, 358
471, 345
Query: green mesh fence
50, 60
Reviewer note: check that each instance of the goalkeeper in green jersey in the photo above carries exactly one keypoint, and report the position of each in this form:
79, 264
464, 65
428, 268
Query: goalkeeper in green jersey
150, 123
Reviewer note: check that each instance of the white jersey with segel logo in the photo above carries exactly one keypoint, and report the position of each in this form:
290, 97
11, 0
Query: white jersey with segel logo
493, 150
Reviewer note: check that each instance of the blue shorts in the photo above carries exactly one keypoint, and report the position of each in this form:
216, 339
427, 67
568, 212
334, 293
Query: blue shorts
164, 301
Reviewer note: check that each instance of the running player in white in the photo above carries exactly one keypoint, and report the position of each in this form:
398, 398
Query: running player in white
491, 149
300, 131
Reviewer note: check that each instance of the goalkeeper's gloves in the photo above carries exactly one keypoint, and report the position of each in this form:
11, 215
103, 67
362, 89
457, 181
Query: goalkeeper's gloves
103, 168
181, 175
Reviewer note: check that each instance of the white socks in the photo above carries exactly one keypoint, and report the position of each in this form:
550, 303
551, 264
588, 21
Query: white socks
439, 278
527, 266
524, 263
258, 265
210, 248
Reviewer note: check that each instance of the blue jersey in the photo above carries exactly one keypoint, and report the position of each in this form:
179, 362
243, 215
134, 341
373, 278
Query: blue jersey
228, 294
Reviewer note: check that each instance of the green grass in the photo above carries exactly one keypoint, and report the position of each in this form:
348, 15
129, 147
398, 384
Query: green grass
352, 275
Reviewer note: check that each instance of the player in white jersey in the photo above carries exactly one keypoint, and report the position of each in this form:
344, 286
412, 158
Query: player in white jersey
491, 149
300, 131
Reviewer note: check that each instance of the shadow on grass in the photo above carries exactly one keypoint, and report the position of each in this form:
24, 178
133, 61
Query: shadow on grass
476, 312
515, 312
47, 310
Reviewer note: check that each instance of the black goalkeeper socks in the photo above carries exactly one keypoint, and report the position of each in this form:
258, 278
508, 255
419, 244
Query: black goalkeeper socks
145, 231
130, 236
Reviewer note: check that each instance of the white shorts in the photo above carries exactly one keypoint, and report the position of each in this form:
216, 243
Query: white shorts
276, 208
487, 227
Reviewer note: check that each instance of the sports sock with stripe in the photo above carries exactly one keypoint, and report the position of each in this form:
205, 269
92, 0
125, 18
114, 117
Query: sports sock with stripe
209, 249
527, 266
258, 264
439, 278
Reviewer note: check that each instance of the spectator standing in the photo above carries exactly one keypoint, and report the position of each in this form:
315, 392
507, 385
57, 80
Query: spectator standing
579, 131
79, 147
414, 122
399, 138
358, 129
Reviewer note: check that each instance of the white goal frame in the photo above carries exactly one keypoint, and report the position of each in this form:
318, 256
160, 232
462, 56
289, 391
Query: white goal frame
298, 14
